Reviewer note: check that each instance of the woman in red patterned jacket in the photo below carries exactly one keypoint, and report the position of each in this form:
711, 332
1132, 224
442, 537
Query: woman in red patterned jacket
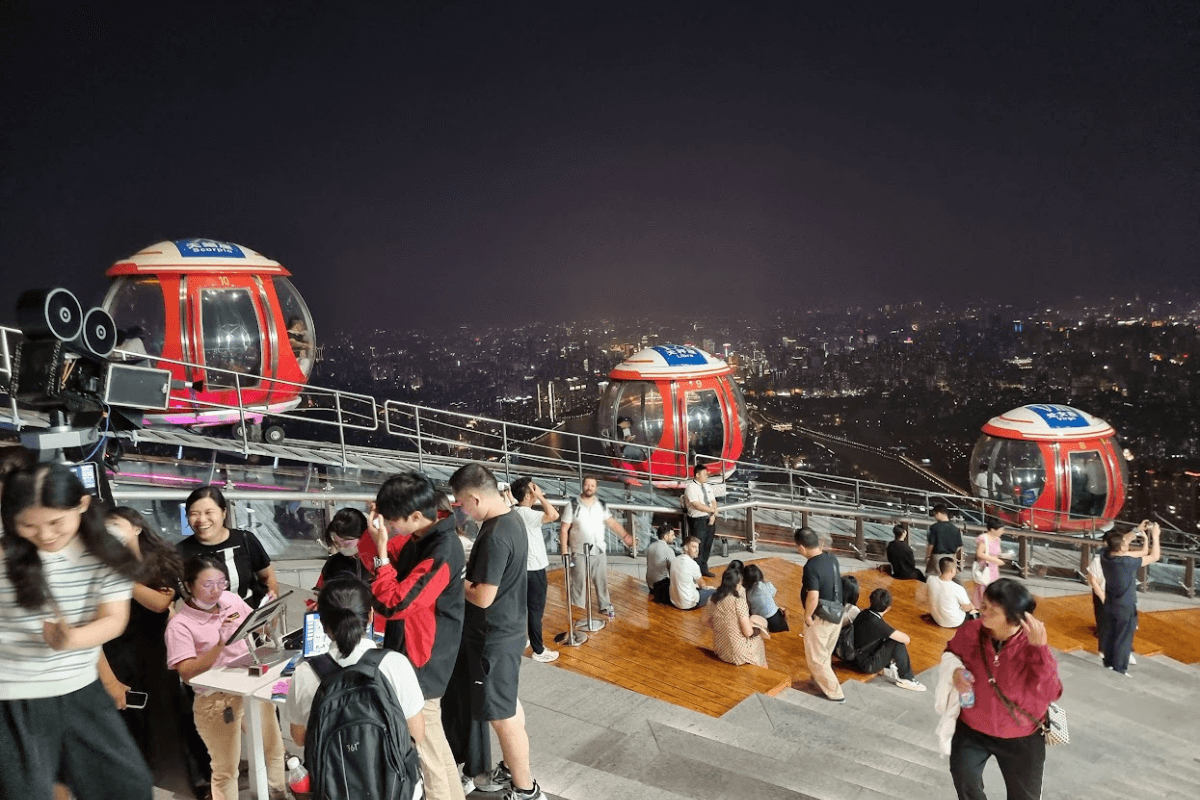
1007, 644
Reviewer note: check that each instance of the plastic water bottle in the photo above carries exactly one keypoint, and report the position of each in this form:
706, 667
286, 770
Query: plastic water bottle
297, 776
967, 699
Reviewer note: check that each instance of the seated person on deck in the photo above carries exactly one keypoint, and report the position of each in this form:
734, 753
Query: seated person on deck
879, 646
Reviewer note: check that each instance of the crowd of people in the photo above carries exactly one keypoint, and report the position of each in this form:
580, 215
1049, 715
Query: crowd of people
96, 607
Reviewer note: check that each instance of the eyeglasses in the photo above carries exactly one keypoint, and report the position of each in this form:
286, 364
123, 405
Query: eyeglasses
211, 585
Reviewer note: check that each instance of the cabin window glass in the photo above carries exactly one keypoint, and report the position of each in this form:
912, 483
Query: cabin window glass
232, 337
1089, 483
298, 324
137, 308
1008, 470
639, 409
705, 430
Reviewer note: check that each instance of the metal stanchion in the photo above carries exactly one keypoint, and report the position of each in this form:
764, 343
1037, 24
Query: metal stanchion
570, 637
589, 624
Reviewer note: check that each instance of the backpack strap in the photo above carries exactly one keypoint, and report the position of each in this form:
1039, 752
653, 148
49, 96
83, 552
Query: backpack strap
373, 658
324, 666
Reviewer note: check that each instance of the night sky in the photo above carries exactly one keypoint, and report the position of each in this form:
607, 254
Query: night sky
438, 163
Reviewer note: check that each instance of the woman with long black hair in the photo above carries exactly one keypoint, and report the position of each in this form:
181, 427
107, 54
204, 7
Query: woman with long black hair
137, 659
736, 638
64, 591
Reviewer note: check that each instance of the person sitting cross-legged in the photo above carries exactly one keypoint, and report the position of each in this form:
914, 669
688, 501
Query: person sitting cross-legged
687, 586
879, 646
949, 604
659, 556
737, 635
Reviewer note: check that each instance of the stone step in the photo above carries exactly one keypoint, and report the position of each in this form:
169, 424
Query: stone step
1148, 676
860, 740
1187, 669
918, 735
570, 780
761, 773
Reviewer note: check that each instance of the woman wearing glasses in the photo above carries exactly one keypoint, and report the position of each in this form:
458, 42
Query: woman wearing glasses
196, 642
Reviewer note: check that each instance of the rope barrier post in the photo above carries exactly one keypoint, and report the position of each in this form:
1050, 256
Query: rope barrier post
588, 624
570, 637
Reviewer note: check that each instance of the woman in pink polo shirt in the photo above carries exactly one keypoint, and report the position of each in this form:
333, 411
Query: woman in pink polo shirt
196, 638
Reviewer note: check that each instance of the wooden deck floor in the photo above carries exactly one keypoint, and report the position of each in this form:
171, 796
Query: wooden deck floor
665, 653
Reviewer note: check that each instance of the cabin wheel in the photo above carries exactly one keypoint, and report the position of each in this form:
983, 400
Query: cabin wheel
273, 435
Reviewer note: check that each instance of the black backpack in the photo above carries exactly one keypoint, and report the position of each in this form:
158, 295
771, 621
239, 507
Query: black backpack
844, 649
357, 745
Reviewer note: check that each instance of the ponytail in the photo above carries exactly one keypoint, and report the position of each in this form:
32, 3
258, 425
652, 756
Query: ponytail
345, 608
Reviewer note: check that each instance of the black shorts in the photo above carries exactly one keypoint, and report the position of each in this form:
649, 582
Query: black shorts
78, 739
495, 671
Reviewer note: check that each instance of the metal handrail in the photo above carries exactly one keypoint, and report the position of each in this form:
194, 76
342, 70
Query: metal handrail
1024, 538
857, 492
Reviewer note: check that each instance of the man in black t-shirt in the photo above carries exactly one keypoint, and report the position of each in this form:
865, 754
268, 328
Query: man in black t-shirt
821, 581
879, 646
945, 539
494, 626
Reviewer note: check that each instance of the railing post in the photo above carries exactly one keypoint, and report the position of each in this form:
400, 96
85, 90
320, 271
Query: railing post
579, 457
632, 528
237, 385
1023, 556
420, 445
1143, 575
751, 539
504, 449
804, 518
1085, 557
337, 402
1189, 576
857, 493
860, 537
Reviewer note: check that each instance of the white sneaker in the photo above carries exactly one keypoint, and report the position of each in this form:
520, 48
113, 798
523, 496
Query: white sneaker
912, 686
468, 784
891, 673
536, 794
546, 656
1132, 660
499, 778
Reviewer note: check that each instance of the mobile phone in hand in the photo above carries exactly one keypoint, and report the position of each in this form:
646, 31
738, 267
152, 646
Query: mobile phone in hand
135, 699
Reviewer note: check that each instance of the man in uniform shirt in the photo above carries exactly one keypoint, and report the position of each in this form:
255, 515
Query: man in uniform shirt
701, 515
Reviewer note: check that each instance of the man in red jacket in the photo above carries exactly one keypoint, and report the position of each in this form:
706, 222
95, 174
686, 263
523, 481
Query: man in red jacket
421, 590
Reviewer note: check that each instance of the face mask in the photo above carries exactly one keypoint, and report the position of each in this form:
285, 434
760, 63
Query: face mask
203, 606
348, 549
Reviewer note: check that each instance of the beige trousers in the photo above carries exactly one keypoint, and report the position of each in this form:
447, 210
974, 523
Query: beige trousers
819, 640
438, 769
224, 741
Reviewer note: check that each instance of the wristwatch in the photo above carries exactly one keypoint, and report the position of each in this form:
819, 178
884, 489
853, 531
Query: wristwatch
380, 561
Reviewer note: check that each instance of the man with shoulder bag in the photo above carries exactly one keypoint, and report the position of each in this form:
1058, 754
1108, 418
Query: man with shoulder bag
821, 593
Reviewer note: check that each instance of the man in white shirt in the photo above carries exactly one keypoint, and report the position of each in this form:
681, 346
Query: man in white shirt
687, 586
701, 515
583, 522
659, 556
948, 601
527, 493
